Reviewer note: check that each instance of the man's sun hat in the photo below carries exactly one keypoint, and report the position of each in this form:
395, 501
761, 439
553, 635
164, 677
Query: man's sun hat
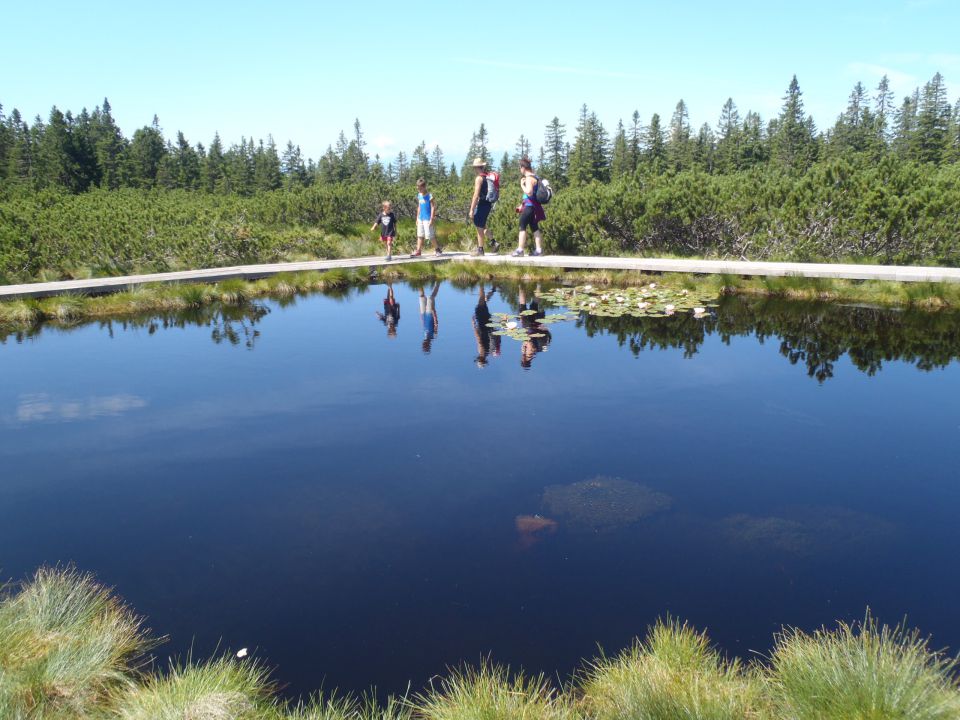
479, 162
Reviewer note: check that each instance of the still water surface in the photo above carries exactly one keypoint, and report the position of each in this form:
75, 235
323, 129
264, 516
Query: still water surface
366, 503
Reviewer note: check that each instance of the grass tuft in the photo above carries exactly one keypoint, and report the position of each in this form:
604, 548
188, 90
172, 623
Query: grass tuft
675, 674
490, 692
222, 689
66, 644
863, 670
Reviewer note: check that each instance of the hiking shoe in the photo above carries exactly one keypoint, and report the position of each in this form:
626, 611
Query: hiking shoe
415, 254
537, 253
478, 252
438, 252
388, 258
517, 253
494, 246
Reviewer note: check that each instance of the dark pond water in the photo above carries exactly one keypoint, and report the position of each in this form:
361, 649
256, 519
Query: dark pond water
305, 480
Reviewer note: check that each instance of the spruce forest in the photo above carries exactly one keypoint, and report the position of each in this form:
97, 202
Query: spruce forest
79, 198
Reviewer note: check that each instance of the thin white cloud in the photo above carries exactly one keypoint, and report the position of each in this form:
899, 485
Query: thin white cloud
556, 69
382, 142
903, 81
42, 408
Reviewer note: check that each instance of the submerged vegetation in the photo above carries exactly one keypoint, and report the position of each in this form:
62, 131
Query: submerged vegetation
69, 649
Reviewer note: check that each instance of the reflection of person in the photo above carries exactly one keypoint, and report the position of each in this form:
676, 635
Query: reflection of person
486, 190
532, 325
428, 314
426, 215
487, 342
390, 316
387, 221
531, 211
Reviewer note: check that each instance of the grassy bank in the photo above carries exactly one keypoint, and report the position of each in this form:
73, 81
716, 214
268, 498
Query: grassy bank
69, 649
25, 313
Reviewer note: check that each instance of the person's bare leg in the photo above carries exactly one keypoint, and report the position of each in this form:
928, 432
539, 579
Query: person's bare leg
480, 233
419, 245
538, 240
522, 240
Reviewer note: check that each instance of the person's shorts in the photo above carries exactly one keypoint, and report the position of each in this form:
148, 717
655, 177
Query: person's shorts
481, 213
528, 218
426, 230
387, 238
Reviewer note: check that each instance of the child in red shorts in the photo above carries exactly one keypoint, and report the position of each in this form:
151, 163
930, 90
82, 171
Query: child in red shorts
387, 221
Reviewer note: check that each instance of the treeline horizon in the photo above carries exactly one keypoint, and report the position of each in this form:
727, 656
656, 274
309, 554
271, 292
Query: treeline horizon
88, 150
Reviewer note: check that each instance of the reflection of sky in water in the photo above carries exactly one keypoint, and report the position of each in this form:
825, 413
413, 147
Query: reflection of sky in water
349, 505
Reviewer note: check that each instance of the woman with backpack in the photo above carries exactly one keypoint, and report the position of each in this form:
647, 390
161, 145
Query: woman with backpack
530, 209
486, 192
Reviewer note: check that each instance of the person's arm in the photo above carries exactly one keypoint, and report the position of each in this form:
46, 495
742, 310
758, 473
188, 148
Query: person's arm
476, 194
374, 226
433, 208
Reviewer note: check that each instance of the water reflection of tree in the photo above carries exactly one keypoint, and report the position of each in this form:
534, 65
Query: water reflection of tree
815, 335
231, 324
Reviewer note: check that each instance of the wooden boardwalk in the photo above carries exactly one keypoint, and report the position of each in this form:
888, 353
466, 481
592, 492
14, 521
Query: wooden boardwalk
896, 273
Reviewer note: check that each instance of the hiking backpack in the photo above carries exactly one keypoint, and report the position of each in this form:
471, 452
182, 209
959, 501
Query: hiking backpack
492, 182
544, 191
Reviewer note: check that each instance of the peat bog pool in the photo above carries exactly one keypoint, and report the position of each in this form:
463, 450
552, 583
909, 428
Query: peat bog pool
363, 501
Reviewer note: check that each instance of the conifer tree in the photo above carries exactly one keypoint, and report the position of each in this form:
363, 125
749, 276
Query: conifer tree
402, 167
679, 147
212, 173
420, 163
186, 164
905, 126
933, 122
5, 145
555, 152
292, 167
437, 163
883, 110
21, 154
478, 149
634, 141
754, 145
109, 146
704, 149
793, 142
620, 165
144, 155
266, 170
655, 152
729, 137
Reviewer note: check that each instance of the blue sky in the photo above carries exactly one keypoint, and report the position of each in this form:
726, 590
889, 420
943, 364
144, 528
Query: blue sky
433, 71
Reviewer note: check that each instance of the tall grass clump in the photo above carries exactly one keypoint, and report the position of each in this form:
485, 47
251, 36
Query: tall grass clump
490, 692
20, 312
862, 671
66, 645
222, 689
675, 674
349, 708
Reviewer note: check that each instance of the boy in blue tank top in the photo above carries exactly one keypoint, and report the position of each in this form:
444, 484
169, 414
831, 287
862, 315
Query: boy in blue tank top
426, 217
